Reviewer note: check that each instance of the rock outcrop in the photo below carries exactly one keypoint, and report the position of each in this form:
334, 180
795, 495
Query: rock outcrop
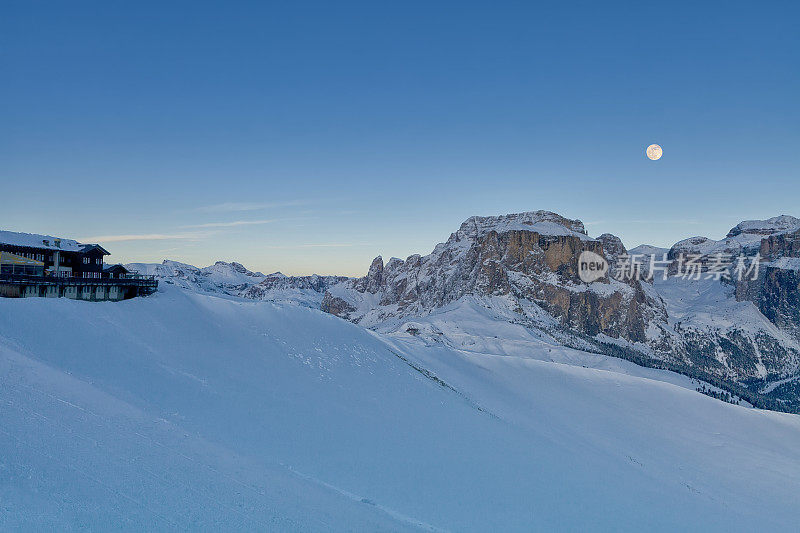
527, 256
776, 290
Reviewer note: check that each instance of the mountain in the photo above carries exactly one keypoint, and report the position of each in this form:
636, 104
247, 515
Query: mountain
745, 237
234, 279
523, 258
521, 269
190, 410
306, 290
648, 250
221, 277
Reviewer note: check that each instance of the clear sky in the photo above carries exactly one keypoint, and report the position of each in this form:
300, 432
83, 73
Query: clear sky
310, 137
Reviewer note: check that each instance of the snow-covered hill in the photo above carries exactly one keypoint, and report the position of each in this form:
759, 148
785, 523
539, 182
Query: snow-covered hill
193, 411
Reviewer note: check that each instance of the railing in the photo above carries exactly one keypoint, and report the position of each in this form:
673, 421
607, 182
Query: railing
134, 281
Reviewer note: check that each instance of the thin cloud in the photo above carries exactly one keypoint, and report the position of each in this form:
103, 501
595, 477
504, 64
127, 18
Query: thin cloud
231, 224
670, 222
332, 245
233, 207
145, 237
318, 245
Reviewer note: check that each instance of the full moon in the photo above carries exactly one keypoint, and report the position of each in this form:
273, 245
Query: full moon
654, 152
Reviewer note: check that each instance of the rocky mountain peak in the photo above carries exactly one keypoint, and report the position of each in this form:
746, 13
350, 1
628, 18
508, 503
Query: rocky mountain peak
772, 238
523, 257
371, 283
542, 222
769, 226
612, 248
235, 267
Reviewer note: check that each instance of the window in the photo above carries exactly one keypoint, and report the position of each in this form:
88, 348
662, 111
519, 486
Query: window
86, 260
98, 260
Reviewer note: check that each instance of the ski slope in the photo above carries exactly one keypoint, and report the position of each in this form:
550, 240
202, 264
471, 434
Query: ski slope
193, 411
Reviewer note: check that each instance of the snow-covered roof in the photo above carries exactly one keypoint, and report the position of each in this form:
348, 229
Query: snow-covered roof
33, 240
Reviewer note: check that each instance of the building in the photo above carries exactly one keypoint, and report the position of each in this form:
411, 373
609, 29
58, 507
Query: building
115, 272
41, 265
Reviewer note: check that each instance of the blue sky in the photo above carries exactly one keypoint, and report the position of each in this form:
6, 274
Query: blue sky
310, 137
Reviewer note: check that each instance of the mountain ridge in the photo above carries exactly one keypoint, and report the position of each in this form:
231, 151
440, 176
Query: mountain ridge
739, 334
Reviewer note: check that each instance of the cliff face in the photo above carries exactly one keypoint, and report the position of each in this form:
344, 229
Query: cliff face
780, 245
779, 297
776, 291
528, 256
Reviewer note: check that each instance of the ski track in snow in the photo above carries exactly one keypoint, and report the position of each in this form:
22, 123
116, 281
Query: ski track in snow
359, 499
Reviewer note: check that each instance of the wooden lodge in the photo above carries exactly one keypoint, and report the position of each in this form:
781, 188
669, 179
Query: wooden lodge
40, 265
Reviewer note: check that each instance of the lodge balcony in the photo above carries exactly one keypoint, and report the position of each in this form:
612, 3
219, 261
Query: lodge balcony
95, 289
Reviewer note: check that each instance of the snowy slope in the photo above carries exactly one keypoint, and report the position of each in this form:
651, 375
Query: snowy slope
193, 411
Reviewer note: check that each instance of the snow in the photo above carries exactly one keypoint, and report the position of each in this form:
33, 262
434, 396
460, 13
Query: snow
221, 277
779, 224
648, 250
542, 222
739, 244
195, 411
38, 241
304, 290
786, 263
709, 307
707, 303
744, 238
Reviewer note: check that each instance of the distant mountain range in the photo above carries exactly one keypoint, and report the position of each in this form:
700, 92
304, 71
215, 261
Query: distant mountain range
742, 336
